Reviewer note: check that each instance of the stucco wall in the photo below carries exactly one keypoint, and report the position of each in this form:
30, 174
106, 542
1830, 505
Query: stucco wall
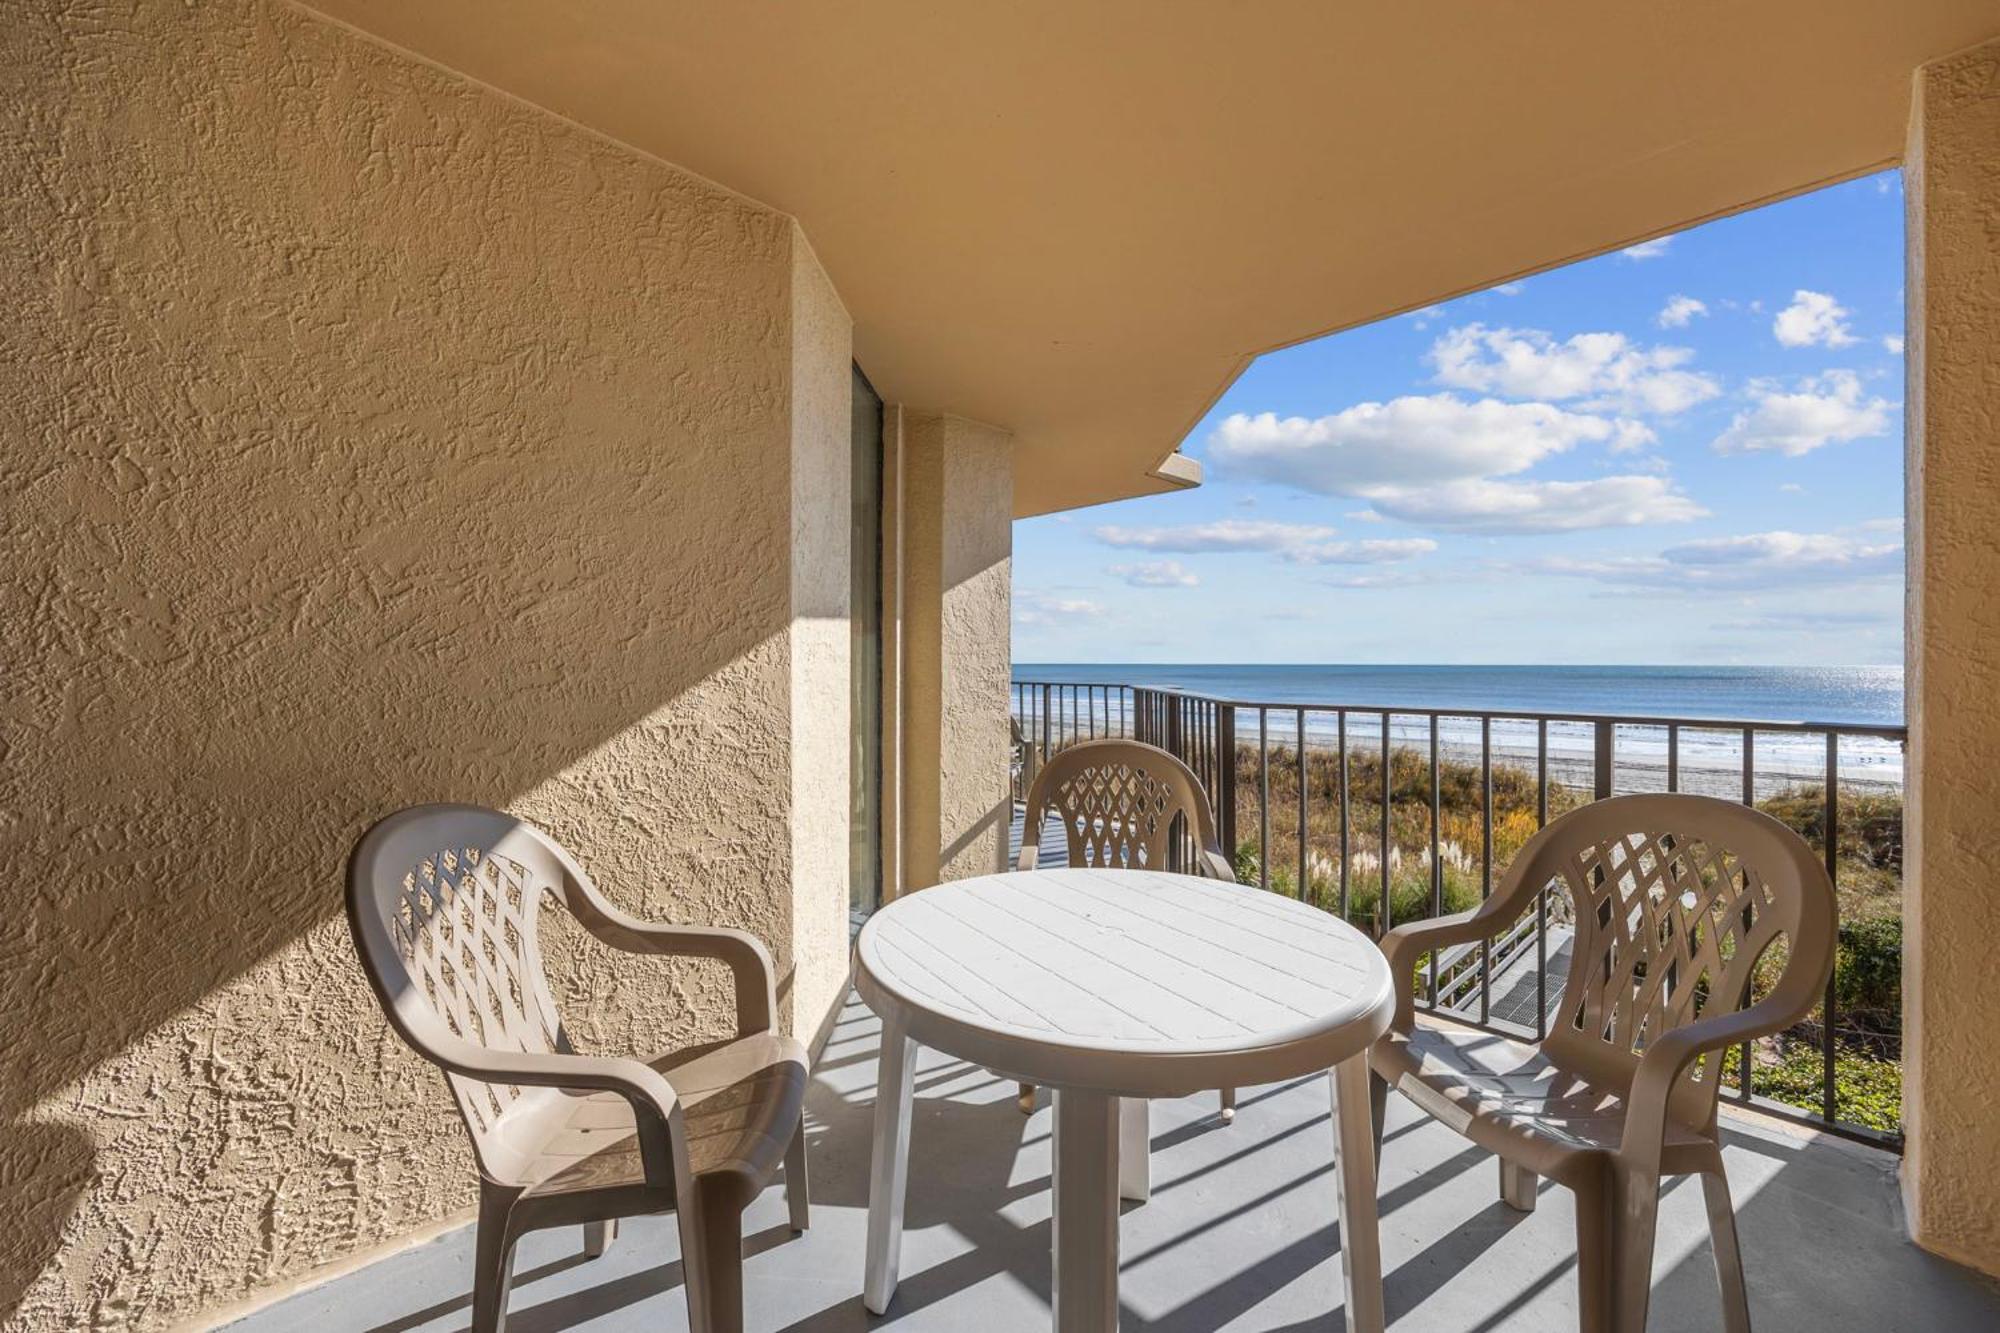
1951, 1170
368, 438
957, 479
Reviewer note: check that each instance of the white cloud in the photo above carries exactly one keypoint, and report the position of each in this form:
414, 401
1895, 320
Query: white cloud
1825, 409
1434, 461
1422, 318
1228, 534
1751, 561
1300, 543
1603, 371
1502, 507
1511, 288
1409, 441
1812, 318
1628, 436
1044, 609
1156, 574
1363, 553
1652, 249
1383, 579
1810, 621
1892, 343
1792, 488
1678, 311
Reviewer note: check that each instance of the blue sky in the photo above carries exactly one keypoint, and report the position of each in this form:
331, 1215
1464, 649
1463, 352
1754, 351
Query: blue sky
1687, 452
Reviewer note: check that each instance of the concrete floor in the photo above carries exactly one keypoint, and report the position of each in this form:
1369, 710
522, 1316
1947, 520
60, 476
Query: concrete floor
1239, 1233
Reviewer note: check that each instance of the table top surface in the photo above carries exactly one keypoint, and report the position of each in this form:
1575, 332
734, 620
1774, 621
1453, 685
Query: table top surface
1125, 966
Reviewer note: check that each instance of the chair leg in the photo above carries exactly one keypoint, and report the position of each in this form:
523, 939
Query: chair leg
1593, 1252
712, 1267
597, 1237
1026, 1100
1228, 1105
1728, 1257
1378, 1110
493, 1257
797, 1194
1517, 1186
1635, 1206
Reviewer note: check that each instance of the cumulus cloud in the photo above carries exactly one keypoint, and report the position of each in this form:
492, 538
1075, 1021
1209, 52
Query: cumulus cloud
1228, 534
1813, 318
1823, 409
1602, 371
1438, 461
1750, 561
1047, 609
1156, 574
1652, 249
1678, 310
1508, 507
1892, 343
1511, 288
1404, 442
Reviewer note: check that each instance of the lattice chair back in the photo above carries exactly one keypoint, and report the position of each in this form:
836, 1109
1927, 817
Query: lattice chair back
1122, 804
443, 902
1676, 899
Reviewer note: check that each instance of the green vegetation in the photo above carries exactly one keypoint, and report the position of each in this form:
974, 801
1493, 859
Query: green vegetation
1868, 971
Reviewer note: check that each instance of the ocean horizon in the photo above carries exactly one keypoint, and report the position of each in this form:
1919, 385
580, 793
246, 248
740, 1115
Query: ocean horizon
1848, 695
1710, 760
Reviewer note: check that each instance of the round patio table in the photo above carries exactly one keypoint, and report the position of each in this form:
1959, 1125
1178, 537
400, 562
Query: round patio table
1114, 986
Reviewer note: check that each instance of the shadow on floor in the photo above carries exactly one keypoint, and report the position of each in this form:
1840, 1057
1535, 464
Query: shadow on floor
1240, 1233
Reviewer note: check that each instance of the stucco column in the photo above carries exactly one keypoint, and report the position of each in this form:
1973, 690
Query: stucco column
957, 547
820, 644
1951, 1013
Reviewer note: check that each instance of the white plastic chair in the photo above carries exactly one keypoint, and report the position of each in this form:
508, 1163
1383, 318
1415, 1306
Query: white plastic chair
1676, 898
443, 900
1125, 805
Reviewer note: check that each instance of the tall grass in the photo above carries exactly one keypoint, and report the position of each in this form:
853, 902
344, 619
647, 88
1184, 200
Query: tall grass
1868, 971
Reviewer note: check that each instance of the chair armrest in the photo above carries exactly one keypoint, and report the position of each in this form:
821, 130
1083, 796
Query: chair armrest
1030, 854
747, 958
1214, 865
1667, 1058
655, 1105
1407, 943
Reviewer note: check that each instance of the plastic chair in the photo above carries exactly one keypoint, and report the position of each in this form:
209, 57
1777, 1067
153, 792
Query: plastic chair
1676, 899
1130, 806
442, 900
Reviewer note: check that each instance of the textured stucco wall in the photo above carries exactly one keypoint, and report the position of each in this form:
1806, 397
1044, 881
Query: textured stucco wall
1951, 1170
368, 438
957, 479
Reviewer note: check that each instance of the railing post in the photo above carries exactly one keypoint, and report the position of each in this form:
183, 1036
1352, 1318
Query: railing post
1225, 795
1607, 733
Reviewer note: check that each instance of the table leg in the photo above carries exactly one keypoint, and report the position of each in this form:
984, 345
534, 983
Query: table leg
1135, 1149
1360, 1241
1086, 1212
889, 1170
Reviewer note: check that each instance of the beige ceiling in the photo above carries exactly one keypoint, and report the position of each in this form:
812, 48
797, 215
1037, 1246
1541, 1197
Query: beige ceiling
1081, 219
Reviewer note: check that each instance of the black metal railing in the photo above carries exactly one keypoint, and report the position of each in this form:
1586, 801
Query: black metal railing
1382, 845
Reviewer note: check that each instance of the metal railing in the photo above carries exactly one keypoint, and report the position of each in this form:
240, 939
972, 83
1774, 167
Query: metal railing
1349, 835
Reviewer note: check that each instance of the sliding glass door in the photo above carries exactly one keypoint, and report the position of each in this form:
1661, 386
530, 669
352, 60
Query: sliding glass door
865, 749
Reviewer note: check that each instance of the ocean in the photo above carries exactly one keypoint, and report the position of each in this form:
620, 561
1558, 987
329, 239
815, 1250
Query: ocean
1709, 760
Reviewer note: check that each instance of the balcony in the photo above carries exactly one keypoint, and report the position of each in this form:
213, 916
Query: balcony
1306, 807
1239, 1233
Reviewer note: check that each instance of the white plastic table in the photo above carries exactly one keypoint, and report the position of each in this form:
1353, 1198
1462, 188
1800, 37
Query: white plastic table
1112, 986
